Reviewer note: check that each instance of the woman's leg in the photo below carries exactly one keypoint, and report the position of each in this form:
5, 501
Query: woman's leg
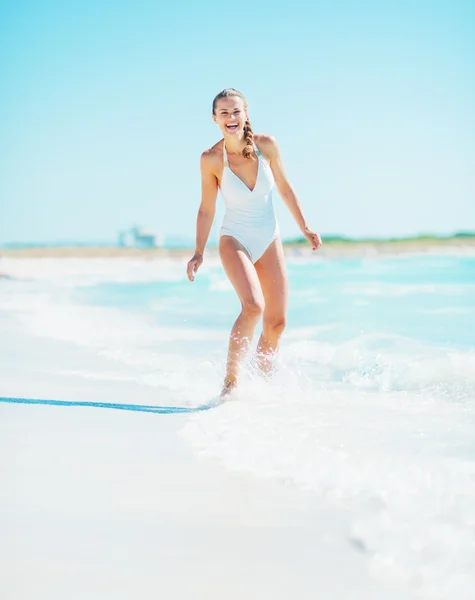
243, 276
272, 275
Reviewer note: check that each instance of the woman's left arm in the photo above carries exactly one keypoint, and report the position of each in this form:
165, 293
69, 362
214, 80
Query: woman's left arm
286, 191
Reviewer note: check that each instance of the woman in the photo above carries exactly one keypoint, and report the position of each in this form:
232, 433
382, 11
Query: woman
245, 166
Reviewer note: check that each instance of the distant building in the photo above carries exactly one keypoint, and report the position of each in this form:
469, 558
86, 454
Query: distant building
136, 237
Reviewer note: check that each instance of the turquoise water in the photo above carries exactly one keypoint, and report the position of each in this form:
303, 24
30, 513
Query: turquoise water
431, 300
372, 405
390, 324
396, 310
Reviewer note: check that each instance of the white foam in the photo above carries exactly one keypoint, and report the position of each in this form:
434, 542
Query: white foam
127, 339
400, 461
389, 363
57, 317
83, 271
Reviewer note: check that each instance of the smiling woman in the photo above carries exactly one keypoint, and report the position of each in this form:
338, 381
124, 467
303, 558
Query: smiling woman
245, 167
230, 113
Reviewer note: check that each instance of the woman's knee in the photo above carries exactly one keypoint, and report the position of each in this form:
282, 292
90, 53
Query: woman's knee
253, 307
274, 324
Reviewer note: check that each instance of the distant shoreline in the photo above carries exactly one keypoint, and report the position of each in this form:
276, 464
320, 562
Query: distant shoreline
332, 248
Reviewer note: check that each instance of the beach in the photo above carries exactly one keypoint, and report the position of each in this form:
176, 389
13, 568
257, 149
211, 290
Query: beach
110, 504
347, 476
330, 249
346, 471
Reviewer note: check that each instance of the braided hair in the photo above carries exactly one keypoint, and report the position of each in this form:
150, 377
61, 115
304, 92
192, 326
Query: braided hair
248, 133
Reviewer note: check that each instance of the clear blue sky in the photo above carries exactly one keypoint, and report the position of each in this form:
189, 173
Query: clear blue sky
105, 108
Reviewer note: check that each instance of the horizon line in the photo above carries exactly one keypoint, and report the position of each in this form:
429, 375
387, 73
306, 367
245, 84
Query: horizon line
188, 243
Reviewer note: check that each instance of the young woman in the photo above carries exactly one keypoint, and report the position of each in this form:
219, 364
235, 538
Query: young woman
245, 166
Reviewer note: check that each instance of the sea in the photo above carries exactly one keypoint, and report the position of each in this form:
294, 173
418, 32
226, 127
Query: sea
371, 405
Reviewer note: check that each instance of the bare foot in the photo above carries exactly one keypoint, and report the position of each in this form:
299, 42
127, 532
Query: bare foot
228, 388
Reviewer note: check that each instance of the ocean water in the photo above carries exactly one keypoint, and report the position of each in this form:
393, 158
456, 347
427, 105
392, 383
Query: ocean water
372, 405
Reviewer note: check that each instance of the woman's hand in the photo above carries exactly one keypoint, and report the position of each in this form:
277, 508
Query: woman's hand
193, 265
313, 238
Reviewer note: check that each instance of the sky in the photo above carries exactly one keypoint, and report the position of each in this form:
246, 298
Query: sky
105, 108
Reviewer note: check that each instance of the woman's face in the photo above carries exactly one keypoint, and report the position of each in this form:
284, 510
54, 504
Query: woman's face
230, 115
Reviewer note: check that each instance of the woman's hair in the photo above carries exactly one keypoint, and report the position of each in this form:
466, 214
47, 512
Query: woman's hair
248, 133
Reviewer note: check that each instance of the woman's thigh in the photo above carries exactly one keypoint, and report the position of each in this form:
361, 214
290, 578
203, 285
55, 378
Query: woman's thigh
241, 272
272, 273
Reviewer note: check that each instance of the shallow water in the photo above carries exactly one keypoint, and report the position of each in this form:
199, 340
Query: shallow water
372, 404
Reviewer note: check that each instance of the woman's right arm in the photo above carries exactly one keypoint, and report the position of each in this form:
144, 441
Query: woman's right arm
209, 193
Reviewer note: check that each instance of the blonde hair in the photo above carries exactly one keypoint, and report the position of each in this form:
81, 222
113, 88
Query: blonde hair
248, 133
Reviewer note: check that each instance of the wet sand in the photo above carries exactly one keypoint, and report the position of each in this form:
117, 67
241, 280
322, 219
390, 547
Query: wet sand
328, 250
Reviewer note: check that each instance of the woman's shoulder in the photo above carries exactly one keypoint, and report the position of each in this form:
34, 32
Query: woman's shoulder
264, 138
214, 155
267, 144
212, 158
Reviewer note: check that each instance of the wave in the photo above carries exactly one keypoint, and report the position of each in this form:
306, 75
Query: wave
401, 462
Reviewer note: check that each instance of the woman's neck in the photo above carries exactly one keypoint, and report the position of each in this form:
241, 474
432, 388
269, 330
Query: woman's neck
234, 144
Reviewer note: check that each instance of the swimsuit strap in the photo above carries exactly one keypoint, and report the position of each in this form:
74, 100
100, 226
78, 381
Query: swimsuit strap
225, 155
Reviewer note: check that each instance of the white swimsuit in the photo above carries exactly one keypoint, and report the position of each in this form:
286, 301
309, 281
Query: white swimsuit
249, 217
